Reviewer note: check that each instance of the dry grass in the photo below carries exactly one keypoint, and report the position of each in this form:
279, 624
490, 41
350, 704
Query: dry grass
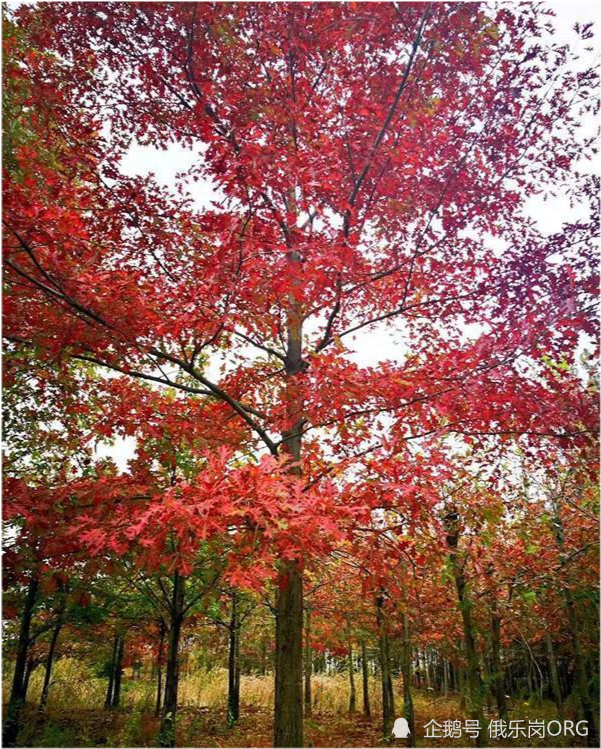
73, 684
75, 714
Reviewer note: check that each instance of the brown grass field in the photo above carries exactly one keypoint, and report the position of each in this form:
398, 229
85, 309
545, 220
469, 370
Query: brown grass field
75, 717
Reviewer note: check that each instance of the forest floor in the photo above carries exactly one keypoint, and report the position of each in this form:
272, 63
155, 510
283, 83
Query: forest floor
204, 728
71, 721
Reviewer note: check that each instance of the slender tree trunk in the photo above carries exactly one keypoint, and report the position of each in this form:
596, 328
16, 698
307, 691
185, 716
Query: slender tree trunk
308, 664
116, 698
387, 693
288, 702
427, 674
352, 705
365, 675
406, 668
497, 675
455, 673
510, 678
167, 730
233, 686
579, 660
418, 670
445, 677
263, 667
474, 692
157, 709
554, 676
50, 657
109, 691
27, 678
17, 693
237, 690
487, 678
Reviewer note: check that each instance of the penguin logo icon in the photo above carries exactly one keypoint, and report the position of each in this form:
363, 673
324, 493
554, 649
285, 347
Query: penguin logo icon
401, 729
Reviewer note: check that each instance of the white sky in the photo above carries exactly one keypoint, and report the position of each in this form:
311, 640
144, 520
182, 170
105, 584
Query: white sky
373, 345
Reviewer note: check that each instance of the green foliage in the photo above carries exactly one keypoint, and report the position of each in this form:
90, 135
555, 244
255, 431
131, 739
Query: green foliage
132, 729
15, 132
55, 732
529, 596
594, 688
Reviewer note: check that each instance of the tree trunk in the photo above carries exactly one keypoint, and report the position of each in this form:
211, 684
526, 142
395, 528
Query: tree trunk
233, 682
474, 690
406, 667
365, 674
237, 690
288, 702
109, 690
554, 676
352, 705
17, 694
531, 687
473, 678
26, 679
157, 708
497, 675
263, 667
288, 728
445, 677
426, 661
50, 657
455, 675
592, 738
167, 730
116, 698
308, 664
387, 693
487, 678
